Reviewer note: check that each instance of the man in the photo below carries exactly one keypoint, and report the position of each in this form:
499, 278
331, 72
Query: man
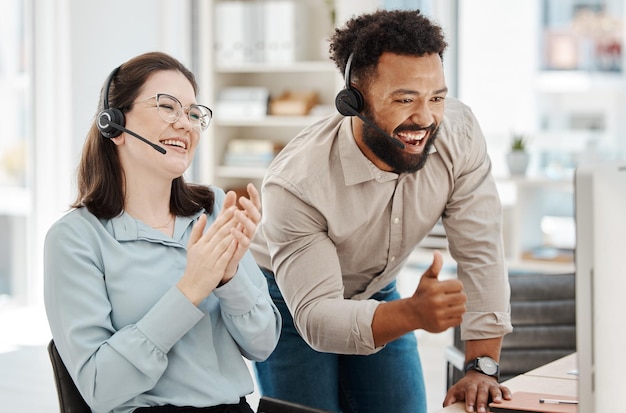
344, 205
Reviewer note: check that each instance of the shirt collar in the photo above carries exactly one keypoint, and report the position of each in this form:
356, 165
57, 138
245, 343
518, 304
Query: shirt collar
127, 228
356, 167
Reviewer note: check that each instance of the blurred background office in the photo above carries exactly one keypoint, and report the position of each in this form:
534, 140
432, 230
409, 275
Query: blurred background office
547, 71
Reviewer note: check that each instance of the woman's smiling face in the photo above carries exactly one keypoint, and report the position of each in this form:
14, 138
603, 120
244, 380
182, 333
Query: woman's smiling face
180, 139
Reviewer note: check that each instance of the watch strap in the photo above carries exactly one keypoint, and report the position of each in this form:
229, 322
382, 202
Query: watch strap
471, 365
474, 365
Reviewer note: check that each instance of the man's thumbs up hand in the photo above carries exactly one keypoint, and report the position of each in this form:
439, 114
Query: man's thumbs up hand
437, 304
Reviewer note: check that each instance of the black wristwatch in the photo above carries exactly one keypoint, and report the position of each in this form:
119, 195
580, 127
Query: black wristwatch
485, 365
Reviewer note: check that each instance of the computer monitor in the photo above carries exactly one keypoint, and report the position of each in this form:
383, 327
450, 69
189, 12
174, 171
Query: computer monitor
600, 258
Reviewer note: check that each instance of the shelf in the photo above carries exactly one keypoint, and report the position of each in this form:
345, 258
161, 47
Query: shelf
255, 172
300, 63
312, 66
421, 258
572, 81
538, 182
270, 121
540, 266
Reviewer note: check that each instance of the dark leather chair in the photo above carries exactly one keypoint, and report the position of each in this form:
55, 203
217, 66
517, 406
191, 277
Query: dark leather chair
543, 314
271, 405
70, 400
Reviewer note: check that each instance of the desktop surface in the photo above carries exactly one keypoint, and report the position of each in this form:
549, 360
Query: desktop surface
554, 378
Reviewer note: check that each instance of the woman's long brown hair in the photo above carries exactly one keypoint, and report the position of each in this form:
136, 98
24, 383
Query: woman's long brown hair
100, 175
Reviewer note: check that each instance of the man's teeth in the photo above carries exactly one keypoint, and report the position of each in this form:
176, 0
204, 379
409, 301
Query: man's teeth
412, 138
173, 142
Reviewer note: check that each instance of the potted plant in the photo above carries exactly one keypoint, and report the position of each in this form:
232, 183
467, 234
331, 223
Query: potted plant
518, 157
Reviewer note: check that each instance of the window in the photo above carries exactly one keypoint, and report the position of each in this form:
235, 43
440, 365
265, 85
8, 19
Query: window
15, 146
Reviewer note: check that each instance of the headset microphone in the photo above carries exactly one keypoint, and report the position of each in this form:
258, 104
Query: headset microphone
111, 121
120, 128
349, 102
353, 112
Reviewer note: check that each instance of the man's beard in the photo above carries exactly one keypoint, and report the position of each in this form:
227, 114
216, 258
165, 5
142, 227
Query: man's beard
392, 155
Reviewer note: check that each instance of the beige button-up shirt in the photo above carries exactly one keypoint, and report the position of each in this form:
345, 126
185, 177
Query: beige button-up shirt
336, 229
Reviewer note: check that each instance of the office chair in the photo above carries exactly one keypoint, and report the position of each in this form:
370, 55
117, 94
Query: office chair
271, 405
70, 400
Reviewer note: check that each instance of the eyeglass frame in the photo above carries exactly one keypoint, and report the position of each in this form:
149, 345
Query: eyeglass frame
185, 109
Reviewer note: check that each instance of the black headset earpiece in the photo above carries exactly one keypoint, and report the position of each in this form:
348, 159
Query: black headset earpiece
110, 115
349, 99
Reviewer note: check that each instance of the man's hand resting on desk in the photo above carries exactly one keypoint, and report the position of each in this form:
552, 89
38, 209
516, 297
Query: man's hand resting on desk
477, 390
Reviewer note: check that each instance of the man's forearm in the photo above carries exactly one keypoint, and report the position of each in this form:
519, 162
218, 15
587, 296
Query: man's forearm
387, 325
487, 347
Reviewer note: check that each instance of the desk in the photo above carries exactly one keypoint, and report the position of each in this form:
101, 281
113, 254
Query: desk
554, 377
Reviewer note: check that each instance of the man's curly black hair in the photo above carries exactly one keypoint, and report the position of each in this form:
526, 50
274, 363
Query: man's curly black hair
368, 36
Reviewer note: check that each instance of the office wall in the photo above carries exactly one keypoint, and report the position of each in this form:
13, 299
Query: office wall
570, 115
498, 61
104, 34
76, 44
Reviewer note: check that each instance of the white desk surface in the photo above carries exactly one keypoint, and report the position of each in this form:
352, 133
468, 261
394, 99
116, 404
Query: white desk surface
555, 377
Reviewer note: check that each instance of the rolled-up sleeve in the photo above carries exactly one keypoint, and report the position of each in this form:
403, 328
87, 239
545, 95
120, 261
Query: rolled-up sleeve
309, 274
248, 311
473, 223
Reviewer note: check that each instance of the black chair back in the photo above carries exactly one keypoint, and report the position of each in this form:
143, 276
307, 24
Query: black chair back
271, 405
70, 400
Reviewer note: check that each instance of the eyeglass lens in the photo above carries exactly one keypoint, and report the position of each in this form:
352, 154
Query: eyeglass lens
170, 110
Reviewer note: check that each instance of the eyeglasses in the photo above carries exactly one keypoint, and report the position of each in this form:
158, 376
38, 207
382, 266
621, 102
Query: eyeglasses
170, 110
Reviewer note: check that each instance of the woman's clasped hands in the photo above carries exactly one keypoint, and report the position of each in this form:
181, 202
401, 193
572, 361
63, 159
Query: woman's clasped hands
213, 255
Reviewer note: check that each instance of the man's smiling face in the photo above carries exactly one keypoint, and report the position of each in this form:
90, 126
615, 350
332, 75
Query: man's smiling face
405, 97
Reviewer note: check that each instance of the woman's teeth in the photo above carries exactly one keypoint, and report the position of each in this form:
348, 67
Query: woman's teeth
173, 142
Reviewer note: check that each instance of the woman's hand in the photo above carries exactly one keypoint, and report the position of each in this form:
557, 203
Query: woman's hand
213, 257
248, 219
208, 255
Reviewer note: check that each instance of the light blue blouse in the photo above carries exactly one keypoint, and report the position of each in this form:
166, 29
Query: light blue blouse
129, 337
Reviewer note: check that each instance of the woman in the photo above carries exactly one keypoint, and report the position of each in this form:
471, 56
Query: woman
151, 294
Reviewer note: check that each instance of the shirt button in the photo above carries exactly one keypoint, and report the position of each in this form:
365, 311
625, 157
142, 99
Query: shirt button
396, 220
392, 259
